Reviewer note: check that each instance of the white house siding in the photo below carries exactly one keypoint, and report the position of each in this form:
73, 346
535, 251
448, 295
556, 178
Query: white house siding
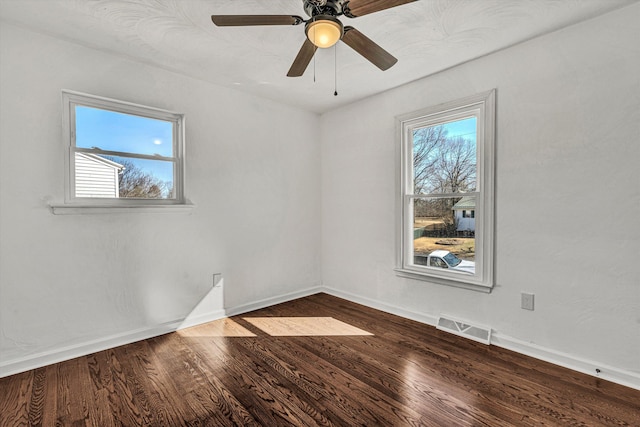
465, 224
468, 205
96, 177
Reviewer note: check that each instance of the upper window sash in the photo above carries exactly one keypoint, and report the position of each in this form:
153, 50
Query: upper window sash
442, 118
175, 157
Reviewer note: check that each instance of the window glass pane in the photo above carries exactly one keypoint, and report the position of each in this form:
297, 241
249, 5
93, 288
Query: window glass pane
444, 158
113, 131
123, 177
145, 179
440, 231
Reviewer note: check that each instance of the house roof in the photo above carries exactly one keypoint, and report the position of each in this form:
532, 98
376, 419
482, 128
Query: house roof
465, 203
96, 158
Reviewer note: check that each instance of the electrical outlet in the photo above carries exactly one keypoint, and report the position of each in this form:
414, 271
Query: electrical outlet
217, 278
526, 301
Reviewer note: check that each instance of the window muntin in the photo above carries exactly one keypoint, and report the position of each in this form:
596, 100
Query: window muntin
144, 145
446, 194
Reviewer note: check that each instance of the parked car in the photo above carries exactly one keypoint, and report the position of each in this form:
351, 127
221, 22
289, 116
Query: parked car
446, 260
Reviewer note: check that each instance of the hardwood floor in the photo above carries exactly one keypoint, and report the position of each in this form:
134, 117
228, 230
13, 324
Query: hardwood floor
368, 368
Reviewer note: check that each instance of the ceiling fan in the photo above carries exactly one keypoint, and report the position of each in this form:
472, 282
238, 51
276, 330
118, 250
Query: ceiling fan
323, 29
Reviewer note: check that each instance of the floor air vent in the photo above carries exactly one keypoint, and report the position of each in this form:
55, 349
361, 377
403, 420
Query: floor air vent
474, 332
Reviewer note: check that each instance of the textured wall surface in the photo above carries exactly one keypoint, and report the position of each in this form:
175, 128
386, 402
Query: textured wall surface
252, 172
568, 122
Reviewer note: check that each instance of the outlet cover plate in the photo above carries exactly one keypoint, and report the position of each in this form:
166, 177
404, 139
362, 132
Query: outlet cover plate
527, 301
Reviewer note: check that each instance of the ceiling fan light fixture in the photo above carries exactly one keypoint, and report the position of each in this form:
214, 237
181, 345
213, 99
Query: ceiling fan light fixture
324, 31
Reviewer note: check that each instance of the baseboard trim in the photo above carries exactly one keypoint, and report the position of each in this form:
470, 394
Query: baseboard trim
589, 367
203, 318
82, 349
267, 302
391, 309
61, 354
608, 373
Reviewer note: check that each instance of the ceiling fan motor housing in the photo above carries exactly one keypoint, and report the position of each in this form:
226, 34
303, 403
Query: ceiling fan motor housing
323, 7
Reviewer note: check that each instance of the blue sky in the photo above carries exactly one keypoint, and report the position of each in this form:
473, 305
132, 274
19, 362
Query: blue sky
112, 131
465, 128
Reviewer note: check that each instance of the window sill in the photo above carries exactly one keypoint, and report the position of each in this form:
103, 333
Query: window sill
410, 274
112, 209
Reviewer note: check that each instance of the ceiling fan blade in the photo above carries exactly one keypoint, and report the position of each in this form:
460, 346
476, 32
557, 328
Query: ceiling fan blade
368, 48
302, 60
355, 8
248, 20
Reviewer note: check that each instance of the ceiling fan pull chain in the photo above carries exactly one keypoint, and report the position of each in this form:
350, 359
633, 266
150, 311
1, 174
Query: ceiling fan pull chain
335, 69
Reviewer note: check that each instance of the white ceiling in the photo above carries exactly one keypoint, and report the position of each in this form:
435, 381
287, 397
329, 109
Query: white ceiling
426, 36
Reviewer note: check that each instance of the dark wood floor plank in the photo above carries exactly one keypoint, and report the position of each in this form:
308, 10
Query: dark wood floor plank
200, 378
124, 409
257, 399
14, 399
207, 405
324, 391
383, 410
98, 382
404, 374
48, 415
38, 397
404, 383
72, 400
153, 388
410, 386
457, 379
297, 410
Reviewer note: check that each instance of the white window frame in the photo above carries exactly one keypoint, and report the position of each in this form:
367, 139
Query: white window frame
481, 106
70, 100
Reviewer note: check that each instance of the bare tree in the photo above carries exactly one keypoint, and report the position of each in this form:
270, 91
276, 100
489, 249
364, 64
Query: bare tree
426, 144
135, 182
455, 171
442, 164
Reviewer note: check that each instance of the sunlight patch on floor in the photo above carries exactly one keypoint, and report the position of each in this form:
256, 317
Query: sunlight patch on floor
304, 326
218, 328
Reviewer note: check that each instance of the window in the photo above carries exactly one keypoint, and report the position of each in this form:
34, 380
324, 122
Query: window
446, 193
122, 154
437, 262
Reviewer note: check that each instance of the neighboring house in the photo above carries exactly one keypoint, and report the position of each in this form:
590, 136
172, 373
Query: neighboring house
96, 176
465, 214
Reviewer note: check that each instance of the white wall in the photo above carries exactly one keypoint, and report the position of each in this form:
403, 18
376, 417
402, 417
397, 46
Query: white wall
568, 152
69, 281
